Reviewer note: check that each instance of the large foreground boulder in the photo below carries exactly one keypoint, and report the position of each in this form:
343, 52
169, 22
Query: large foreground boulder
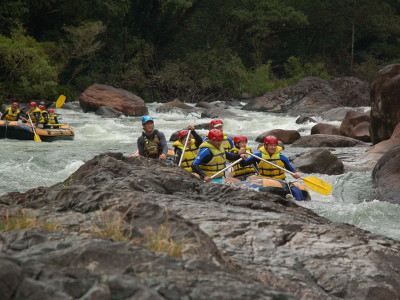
240, 244
98, 95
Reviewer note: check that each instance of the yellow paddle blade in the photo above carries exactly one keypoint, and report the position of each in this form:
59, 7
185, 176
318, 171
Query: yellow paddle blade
36, 138
60, 101
318, 185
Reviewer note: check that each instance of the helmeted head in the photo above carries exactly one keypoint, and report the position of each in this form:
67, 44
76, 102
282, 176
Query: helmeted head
41, 103
239, 138
215, 134
146, 119
15, 104
32, 104
216, 123
270, 139
41, 107
51, 110
182, 134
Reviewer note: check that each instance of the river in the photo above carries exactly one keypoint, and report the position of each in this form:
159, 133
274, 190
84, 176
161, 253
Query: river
27, 164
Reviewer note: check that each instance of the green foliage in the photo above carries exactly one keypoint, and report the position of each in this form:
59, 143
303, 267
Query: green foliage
26, 69
296, 69
261, 80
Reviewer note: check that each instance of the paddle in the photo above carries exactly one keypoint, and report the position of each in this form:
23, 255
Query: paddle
314, 183
231, 165
60, 101
36, 137
184, 147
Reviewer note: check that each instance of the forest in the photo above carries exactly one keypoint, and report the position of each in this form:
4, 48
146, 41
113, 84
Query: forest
189, 49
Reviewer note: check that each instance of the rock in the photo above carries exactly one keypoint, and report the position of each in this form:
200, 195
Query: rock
242, 244
361, 132
326, 140
305, 119
386, 177
319, 160
107, 112
385, 103
283, 135
338, 113
310, 95
351, 120
217, 113
325, 128
98, 95
174, 105
352, 91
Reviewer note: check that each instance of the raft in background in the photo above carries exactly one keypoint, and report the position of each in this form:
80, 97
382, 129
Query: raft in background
279, 187
24, 131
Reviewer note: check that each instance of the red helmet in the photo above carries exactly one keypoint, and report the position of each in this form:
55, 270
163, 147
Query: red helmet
182, 134
216, 122
32, 104
51, 110
270, 139
239, 138
15, 104
41, 107
215, 134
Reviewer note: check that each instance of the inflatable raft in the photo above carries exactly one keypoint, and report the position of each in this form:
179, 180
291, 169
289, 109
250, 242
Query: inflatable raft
24, 131
279, 187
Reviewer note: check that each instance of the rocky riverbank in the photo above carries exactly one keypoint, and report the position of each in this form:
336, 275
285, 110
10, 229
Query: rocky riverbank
237, 244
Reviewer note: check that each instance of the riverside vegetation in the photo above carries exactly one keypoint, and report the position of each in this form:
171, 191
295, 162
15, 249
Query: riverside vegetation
189, 49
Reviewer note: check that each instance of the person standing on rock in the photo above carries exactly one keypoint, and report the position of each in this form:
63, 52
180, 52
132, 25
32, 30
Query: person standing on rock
271, 151
152, 143
192, 147
212, 157
227, 142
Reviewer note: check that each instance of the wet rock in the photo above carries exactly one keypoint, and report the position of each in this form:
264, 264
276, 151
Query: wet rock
304, 120
283, 135
173, 106
352, 91
385, 103
217, 113
325, 128
386, 177
242, 244
338, 113
98, 95
319, 161
326, 140
107, 112
351, 120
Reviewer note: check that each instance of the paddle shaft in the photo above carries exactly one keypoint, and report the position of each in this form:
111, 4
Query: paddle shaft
184, 147
272, 164
33, 128
231, 165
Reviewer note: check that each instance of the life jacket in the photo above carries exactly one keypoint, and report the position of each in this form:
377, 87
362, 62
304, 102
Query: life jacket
52, 119
268, 170
11, 115
42, 118
239, 170
152, 148
32, 114
225, 143
217, 163
189, 155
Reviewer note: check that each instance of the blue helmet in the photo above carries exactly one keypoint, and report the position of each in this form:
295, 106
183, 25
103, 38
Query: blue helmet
146, 119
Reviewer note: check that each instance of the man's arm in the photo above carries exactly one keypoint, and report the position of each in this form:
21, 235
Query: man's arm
163, 142
198, 139
203, 157
232, 156
287, 163
140, 145
251, 160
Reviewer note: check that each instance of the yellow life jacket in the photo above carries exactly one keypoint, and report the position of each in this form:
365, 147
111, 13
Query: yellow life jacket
225, 143
52, 119
217, 163
151, 147
189, 155
11, 115
239, 170
32, 114
42, 114
268, 170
